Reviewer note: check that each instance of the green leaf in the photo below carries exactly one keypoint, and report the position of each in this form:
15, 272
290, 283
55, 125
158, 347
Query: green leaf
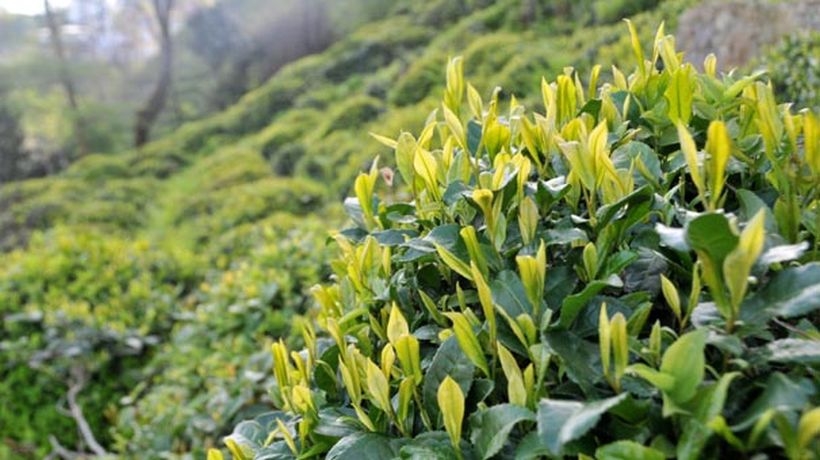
560, 422
276, 451
491, 427
791, 293
711, 234
468, 341
679, 95
405, 154
516, 391
627, 450
780, 394
684, 361
449, 360
573, 304
794, 351
708, 404
433, 445
364, 446
451, 404
633, 152
661, 380
710, 400
456, 264
690, 153
580, 357
713, 239
783, 253
378, 387
509, 293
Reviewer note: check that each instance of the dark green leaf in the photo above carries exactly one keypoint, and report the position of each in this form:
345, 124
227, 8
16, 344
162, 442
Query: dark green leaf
791, 293
492, 426
473, 136
580, 357
783, 253
627, 209
712, 235
508, 292
627, 450
560, 422
448, 360
393, 237
573, 304
434, 445
781, 394
364, 446
565, 236
277, 451
750, 204
252, 431
794, 351
625, 155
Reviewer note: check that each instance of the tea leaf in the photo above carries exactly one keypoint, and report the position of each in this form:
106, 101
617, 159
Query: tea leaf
679, 95
396, 325
718, 146
363, 446
560, 422
690, 153
492, 427
671, 295
627, 450
451, 403
808, 428
468, 341
449, 360
515, 381
684, 361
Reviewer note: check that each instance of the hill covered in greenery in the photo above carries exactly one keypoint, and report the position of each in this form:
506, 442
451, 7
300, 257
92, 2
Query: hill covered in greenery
143, 288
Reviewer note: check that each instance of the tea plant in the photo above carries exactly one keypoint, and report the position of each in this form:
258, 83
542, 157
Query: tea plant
595, 280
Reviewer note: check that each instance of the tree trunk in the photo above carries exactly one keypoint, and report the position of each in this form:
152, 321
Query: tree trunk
65, 78
148, 115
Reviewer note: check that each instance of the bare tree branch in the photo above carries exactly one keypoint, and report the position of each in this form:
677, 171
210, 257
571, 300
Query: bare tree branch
59, 451
79, 380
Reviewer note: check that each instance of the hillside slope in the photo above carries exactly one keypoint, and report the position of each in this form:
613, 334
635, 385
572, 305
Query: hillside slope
145, 279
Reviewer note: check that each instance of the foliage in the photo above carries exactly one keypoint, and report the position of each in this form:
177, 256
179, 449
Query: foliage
115, 297
210, 359
794, 67
591, 280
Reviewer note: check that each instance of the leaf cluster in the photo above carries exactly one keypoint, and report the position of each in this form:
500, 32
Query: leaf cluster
593, 280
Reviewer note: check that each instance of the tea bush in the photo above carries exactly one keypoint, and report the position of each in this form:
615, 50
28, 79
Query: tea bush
211, 359
594, 280
794, 67
80, 305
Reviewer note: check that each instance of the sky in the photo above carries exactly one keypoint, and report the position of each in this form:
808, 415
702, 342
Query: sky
29, 6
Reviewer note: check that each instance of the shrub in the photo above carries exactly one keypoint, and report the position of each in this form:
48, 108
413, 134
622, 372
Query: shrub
211, 359
794, 67
595, 280
79, 309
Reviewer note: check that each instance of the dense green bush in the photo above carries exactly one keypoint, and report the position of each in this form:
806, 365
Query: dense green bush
211, 360
80, 310
794, 67
595, 280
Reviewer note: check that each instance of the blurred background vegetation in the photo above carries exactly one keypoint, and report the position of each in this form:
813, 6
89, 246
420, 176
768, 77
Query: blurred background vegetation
141, 276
